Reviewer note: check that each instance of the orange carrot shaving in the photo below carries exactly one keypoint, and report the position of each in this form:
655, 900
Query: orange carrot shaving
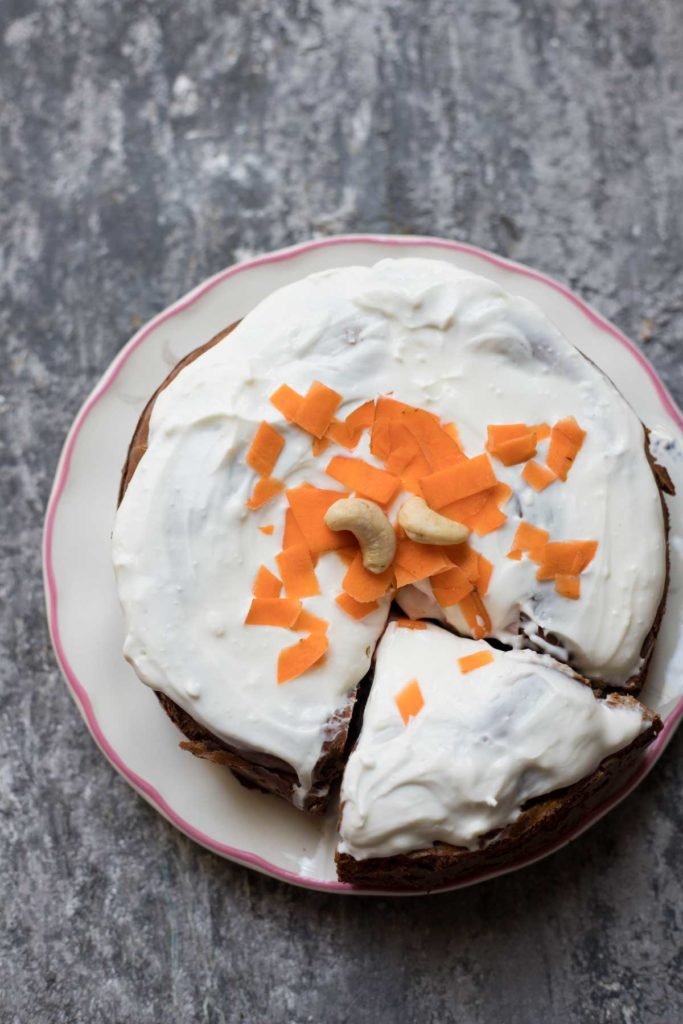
466, 558
568, 586
366, 480
355, 609
537, 476
516, 450
266, 584
410, 624
268, 530
415, 562
347, 555
515, 555
571, 429
454, 578
480, 512
566, 439
566, 558
273, 611
287, 401
399, 459
402, 577
386, 410
515, 442
485, 573
409, 701
541, 430
348, 432
292, 532
447, 598
361, 418
380, 439
297, 571
529, 536
436, 445
466, 510
488, 519
307, 622
319, 445
473, 661
501, 493
315, 412
499, 433
537, 553
265, 449
341, 433
402, 447
403, 435
561, 454
476, 616
451, 587
452, 432
295, 660
366, 586
265, 489
411, 475
466, 477
309, 505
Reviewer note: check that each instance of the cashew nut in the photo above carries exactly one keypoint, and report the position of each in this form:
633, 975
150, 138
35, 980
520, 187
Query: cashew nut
371, 528
425, 526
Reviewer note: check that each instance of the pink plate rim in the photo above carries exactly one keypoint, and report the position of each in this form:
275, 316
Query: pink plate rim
149, 792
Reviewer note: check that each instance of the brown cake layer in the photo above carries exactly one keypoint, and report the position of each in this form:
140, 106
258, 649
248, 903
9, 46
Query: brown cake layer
257, 770
542, 822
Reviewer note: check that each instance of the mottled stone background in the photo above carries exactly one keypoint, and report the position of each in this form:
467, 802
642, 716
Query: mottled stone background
146, 144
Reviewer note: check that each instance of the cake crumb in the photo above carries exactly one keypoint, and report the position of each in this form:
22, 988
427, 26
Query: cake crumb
646, 327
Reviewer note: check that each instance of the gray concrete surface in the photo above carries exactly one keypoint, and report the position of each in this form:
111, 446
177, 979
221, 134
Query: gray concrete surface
144, 145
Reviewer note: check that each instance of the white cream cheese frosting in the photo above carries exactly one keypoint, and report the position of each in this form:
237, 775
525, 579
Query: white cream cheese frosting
482, 744
186, 549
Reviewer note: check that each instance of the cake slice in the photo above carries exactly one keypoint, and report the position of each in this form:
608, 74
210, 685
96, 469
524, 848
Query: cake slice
470, 757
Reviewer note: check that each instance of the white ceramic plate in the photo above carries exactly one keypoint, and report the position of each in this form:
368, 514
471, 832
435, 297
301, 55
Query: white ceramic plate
201, 799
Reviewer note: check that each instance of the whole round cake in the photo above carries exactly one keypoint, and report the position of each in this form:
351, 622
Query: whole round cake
368, 449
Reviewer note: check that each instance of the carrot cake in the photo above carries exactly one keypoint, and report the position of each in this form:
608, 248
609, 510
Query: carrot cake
411, 432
